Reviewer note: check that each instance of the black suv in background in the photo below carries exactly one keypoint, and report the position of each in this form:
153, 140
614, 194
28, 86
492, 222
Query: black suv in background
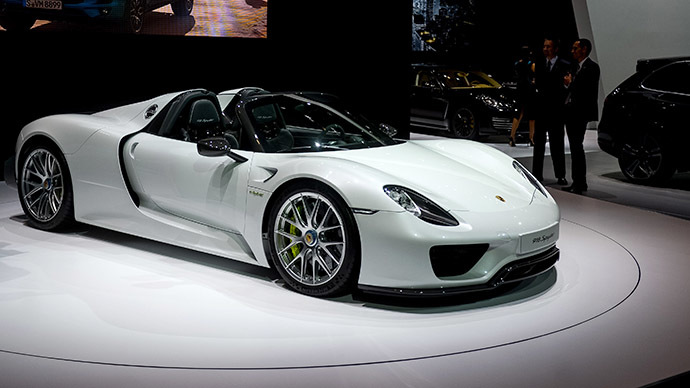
645, 121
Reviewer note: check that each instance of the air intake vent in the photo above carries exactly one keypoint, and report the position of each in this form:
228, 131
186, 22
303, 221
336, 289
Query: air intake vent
455, 260
502, 123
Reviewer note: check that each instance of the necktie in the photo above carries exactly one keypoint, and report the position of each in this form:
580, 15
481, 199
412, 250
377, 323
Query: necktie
548, 65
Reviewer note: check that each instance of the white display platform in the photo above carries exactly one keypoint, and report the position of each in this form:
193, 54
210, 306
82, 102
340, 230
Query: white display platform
92, 307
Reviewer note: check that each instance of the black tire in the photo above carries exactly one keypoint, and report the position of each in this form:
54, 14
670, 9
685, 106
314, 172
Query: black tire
182, 7
314, 242
645, 160
463, 124
45, 188
133, 18
19, 23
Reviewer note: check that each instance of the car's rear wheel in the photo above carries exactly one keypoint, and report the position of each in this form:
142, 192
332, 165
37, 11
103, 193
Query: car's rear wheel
314, 242
463, 124
183, 7
133, 20
645, 160
45, 188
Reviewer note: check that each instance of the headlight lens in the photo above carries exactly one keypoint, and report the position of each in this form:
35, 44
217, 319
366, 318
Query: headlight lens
494, 103
420, 206
530, 178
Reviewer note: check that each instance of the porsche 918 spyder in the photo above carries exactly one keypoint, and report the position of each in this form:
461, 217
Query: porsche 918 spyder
286, 180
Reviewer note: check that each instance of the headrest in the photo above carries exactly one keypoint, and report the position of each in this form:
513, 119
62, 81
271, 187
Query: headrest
203, 113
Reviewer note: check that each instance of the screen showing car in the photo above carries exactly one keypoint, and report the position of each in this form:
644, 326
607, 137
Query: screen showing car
210, 18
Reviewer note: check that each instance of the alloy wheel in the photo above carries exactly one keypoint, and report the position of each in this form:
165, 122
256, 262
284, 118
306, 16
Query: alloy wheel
310, 238
42, 185
463, 124
644, 161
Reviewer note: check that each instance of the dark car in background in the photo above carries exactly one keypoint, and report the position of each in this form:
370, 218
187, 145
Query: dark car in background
645, 121
18, 15
463, 104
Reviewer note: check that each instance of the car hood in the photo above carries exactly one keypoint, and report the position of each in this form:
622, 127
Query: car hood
456, 174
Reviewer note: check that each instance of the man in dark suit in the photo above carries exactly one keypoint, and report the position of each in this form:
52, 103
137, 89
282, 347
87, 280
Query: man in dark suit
551, 95
581, 107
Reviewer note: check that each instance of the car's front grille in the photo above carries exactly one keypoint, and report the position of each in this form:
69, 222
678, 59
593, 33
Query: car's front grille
502, 123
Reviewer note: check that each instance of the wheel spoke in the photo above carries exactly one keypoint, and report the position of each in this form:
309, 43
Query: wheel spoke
298, 216
289, 221
43, 206
300, 256
54, 202
329, 228
324, 218
330, 255
32, 192
290, 246
312, 216
323, 264
646, 169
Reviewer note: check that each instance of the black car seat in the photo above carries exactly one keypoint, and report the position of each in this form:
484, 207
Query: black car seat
204, 121
269, 125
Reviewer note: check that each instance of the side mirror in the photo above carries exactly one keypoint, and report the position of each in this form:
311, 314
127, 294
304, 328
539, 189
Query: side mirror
388, 129
217, 146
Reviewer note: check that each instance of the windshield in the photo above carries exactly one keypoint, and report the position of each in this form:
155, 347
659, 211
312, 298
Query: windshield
297, 124
471, 79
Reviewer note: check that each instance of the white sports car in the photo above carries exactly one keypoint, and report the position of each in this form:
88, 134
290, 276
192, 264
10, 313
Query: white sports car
297, 182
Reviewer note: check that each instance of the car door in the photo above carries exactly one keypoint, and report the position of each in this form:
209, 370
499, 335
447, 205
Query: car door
427, 99
667, 91
169, 175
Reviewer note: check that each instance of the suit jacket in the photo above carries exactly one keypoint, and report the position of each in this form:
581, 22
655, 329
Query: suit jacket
583, 92
550, 89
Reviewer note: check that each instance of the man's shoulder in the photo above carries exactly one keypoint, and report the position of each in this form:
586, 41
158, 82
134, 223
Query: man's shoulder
589, 62
563, 62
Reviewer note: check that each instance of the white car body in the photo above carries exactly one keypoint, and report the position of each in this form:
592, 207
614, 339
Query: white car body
219, 205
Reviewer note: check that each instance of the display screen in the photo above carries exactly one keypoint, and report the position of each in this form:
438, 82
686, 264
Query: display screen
211, 18
442, 25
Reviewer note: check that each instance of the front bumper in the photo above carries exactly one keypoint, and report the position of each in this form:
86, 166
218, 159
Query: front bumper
396, 249
510, 273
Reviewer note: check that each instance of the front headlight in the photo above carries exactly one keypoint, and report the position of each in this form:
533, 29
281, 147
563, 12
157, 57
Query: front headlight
530, 178
494, 103
420, 206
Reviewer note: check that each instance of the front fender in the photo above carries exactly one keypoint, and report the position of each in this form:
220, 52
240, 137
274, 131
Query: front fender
358, 184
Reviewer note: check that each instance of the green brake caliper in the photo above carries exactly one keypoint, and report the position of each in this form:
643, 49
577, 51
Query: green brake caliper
293, 231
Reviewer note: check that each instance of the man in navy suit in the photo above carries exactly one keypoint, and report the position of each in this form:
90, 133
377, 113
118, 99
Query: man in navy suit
551, 95
581, 107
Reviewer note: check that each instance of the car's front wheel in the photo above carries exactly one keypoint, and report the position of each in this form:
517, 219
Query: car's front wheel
645, 160
45, 188
182, 7
314, 243
463, 124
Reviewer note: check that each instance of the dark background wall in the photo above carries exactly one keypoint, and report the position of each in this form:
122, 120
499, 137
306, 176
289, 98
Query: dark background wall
353, 48
358, 49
